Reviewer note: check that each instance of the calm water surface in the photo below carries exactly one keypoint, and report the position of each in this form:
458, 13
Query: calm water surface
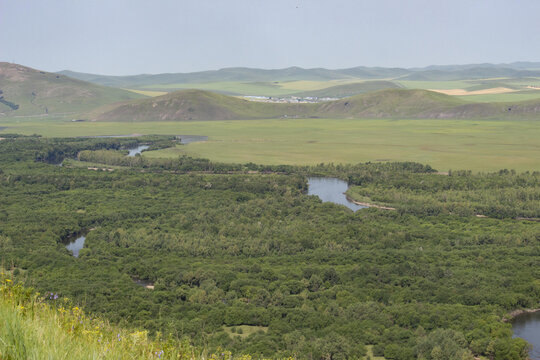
527, 326
137, 150
331, 190
76, 246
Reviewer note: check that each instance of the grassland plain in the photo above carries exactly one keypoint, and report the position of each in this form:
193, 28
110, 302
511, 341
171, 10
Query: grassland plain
479, 145
506, 97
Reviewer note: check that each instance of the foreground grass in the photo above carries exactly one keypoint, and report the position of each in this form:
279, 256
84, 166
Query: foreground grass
35, 328
479, 145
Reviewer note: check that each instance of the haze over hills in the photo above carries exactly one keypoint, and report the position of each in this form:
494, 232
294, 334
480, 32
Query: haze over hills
434, 72
26, 91
237, 74
391, 103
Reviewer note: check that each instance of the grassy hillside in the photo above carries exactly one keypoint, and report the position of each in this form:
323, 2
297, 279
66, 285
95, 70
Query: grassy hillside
26, 91
401, 103
197, 105
390, 103
346, 90
222, 75
470, 73
34, 327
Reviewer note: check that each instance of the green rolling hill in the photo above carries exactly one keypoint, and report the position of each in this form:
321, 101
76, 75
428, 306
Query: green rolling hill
347, 90
26, 91
188, 105
185, 105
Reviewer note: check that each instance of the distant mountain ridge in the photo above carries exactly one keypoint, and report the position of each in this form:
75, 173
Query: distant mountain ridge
433, 72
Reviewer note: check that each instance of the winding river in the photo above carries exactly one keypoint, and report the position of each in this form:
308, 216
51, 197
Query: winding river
527, 326
331, 190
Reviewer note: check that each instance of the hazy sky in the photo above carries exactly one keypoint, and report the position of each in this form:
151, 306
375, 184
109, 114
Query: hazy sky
135, 36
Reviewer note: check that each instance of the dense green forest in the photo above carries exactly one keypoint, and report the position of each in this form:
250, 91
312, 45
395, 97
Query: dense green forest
242, 259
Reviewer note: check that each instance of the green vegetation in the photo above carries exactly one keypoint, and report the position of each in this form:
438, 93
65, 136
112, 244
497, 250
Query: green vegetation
247, 75
460, 193
34, 327
339, 83
480, 145
34, 92
347, 90
196, 105
244, 331
230, 251
236, 245
506, 98
188, 105
229, 88
332, 88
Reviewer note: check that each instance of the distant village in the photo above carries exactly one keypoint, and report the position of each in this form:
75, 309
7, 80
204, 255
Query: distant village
289, 99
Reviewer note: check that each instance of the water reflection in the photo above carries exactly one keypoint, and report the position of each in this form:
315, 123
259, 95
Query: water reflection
331, 190
137, 150
76, 246
527, 326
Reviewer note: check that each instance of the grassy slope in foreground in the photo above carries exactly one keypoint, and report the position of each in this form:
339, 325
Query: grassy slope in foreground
35, 328
35, 92
390, 103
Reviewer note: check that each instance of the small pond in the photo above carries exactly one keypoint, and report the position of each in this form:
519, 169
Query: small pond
76, 245
527, 326
331, 190
137, 150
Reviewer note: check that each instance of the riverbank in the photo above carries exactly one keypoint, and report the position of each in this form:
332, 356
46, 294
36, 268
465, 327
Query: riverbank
513, 314
366, 204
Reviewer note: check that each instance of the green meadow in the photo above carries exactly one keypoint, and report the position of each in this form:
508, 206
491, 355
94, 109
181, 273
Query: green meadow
506, 97
479, 145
